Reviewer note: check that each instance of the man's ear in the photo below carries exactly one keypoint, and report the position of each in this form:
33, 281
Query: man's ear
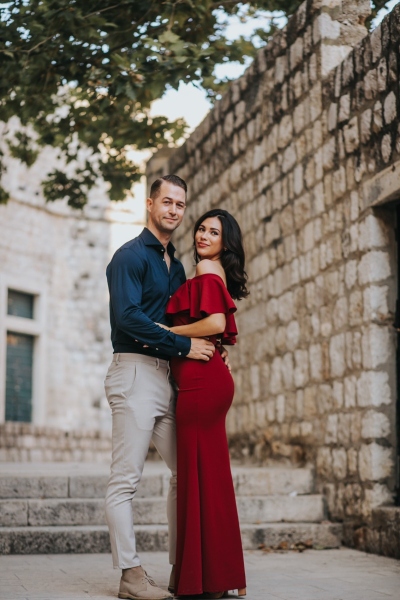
149, 204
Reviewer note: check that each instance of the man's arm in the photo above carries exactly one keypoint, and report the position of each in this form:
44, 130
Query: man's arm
125, 285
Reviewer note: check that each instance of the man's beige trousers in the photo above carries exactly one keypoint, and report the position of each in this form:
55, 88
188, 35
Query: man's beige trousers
142, 402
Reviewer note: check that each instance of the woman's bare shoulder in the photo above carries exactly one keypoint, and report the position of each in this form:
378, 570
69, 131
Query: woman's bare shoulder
207, 266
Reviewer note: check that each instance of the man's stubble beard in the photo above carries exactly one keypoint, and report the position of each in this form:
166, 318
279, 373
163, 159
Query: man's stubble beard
171, 230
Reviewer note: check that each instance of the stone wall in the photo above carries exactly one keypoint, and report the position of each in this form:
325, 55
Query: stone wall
24, 442
302, 149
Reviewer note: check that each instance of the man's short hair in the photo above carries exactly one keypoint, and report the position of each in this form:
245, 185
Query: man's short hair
174, 179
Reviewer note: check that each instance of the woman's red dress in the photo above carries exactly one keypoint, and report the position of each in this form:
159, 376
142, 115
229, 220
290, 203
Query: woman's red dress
209, 549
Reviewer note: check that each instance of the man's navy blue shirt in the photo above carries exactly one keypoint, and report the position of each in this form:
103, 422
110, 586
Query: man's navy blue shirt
140, 286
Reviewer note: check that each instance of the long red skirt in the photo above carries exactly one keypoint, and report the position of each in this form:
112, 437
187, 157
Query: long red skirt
209, 549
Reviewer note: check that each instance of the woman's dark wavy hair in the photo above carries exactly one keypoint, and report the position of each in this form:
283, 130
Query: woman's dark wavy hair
232, 257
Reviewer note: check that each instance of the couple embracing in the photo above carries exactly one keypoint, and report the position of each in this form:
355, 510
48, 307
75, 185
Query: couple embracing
166, 331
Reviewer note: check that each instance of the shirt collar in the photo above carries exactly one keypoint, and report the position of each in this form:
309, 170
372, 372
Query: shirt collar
150, 240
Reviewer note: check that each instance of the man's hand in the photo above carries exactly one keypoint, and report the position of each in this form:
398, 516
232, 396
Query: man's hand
201, 349
224, 355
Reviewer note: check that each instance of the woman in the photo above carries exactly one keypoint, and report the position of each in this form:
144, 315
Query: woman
209, 552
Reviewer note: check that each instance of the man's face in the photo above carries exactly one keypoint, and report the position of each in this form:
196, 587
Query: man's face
167, 210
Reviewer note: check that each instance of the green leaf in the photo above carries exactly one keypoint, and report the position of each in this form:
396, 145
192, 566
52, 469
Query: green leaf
168, 37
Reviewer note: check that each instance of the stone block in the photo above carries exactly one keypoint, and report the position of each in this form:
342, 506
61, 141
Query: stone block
350, 391
289, 158
356, 307
352, 461
331, 433
386, 147
377, 122
390, 108
324, 462
27, 486
302, 210
373, 389
375, 424
228, 124
373, 267
370, 84
275, 384
275, 509
337, 355
240, 114
339, 463
301, 373
377, 346
365, 126
374, 233
315, 99
281, 68
321, 535
340, 313
285, 132
351, 138
280, 408
296, 53
66, 512
382, 75
344, 108
375, 462
376, 43
13, 513
288, 370
324, 27
375, 300
264, 481
331, 56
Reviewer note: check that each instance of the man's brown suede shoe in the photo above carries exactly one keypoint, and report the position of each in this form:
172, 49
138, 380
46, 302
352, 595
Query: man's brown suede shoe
137, 585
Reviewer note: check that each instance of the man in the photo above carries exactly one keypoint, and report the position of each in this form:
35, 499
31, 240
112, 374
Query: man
142, 276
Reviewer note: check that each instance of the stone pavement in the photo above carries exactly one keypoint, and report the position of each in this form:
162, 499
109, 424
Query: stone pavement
313, 575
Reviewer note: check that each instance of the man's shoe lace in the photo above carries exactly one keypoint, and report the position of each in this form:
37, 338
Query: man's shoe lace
149, 579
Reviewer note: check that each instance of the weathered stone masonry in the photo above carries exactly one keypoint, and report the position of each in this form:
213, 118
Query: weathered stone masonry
302, 149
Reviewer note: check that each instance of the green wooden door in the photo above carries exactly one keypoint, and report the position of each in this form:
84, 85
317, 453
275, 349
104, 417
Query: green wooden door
19, 377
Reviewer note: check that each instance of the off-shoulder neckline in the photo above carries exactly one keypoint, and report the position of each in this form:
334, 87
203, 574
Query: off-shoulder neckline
208, 275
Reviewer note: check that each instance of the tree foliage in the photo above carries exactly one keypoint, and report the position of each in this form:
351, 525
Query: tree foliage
81, 77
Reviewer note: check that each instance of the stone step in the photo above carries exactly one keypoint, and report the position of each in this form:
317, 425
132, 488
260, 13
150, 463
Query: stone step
90, 539
248, 481
72, 511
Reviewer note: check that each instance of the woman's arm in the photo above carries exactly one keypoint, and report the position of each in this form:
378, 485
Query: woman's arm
211, 325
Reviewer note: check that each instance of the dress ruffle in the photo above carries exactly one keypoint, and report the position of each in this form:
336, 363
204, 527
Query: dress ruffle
202, 296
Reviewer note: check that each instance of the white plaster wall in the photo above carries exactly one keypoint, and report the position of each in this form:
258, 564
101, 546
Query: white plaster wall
63, 253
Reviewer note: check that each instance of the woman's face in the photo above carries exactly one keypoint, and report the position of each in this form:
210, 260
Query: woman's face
208, 239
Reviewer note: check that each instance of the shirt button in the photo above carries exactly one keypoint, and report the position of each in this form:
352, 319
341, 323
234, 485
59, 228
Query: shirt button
179, 353
156, 348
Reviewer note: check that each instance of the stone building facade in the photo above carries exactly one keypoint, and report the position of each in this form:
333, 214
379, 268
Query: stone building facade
53, 359
304, 149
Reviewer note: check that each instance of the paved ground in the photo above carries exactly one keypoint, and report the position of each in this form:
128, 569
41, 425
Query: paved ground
314, 575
